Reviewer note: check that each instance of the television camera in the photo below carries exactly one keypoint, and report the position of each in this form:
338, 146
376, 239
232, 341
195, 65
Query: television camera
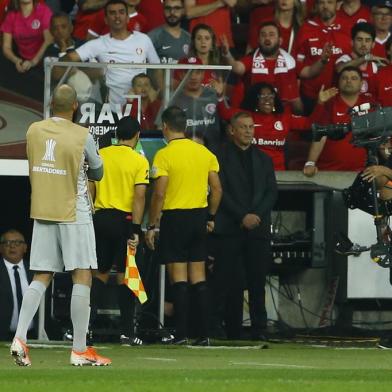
370, 126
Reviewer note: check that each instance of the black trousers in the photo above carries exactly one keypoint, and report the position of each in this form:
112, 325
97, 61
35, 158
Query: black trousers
234, 256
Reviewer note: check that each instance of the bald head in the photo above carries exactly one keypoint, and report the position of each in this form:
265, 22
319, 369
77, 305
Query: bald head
64, 99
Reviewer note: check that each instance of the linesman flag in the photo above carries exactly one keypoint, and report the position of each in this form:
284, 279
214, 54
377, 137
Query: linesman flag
132, 277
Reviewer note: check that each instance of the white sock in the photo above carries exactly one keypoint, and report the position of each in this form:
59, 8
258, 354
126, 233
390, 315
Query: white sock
80, 315
31, 300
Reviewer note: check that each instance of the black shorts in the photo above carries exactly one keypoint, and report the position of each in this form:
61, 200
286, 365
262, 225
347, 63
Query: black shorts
183, 236
112, 230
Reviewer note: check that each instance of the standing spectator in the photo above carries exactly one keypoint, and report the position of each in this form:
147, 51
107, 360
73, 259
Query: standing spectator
334, 108
382, 20
136, 21
352, 12
120, 46
384, 79
363, 35
61, 29
183, 171
119, 205
153, 12
214, 13
289, 16
272, 121
87, 12
271, 64
15, 278
171, 41
325, 31
199, 104
242, 224
150, 103
63, 234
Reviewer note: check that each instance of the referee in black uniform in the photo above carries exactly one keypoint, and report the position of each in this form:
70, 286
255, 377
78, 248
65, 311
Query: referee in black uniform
183, 171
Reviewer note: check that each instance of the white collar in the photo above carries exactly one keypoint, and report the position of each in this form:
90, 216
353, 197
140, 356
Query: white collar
10, 265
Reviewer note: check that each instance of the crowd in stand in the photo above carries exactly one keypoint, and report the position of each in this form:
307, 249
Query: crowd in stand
303, 62
297, 48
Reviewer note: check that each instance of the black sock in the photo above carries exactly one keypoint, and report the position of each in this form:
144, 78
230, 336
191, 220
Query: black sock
202, 299
126, 303
96, 298
181, 300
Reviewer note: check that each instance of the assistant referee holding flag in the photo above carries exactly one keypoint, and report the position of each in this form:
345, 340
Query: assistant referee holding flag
183, 170
119, 204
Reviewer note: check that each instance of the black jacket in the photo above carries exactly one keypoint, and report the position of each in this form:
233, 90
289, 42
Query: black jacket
235, 204
6, 298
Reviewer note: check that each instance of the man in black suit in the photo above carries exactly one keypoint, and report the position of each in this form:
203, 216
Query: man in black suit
14, 280
242, 225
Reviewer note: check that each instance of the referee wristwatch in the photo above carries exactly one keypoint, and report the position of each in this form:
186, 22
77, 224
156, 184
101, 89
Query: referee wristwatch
150, 227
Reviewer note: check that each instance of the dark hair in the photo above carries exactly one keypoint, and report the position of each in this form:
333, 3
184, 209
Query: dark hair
15, 5
60, 14
250, 101
349, 69
365, 28
269, 23
127, 128
10, 231
111, 2
175, 118
214, 55
140, 76
388, 43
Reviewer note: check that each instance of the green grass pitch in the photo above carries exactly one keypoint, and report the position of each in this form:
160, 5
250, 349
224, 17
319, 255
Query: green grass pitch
282, 367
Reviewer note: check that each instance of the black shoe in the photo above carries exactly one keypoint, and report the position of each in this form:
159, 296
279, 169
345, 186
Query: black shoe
385, 344
203, 342
127, 341
180, 341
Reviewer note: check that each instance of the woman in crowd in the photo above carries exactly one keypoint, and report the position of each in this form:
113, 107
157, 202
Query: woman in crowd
272, 120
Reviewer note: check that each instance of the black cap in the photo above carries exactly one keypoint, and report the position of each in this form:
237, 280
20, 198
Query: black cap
383, 4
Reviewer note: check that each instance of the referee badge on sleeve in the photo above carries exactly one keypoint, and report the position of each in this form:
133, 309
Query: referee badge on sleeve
153, 171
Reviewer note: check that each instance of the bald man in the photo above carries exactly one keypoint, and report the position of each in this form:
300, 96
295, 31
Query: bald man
59, 153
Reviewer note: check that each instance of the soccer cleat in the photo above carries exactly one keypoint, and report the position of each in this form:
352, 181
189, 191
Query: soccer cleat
126, 341
20, 352
89, 358
202, 342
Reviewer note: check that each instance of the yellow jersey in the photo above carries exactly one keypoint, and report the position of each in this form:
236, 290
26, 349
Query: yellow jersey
123, 169
187, 164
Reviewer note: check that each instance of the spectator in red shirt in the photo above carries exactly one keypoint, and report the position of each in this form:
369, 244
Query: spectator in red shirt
269, 63
382, 20
272, 120
352, 12
136, 21
384, 79
363, 35
215, 13
288, 15
85, 16
153, 12
334, 108
323, 31
150, 104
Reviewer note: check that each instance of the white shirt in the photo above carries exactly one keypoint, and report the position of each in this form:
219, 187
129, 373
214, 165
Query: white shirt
24, 284
137, 48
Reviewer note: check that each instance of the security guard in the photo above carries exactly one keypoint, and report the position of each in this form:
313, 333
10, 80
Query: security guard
119, 204
183, 170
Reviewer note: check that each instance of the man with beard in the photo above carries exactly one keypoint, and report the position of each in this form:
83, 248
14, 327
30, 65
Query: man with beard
326, 29
269, 64
171, 41
335, 108
363, 36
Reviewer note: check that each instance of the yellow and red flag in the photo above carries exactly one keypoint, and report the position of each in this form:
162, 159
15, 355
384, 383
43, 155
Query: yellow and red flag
132, 277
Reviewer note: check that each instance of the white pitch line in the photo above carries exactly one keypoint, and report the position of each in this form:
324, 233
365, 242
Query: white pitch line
159, 359
272, 364
226, 347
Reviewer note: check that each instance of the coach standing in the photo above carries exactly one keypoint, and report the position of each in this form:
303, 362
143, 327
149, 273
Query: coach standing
242, 228
183, 170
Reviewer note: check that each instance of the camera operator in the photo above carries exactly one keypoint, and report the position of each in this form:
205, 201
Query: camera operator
335, 108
